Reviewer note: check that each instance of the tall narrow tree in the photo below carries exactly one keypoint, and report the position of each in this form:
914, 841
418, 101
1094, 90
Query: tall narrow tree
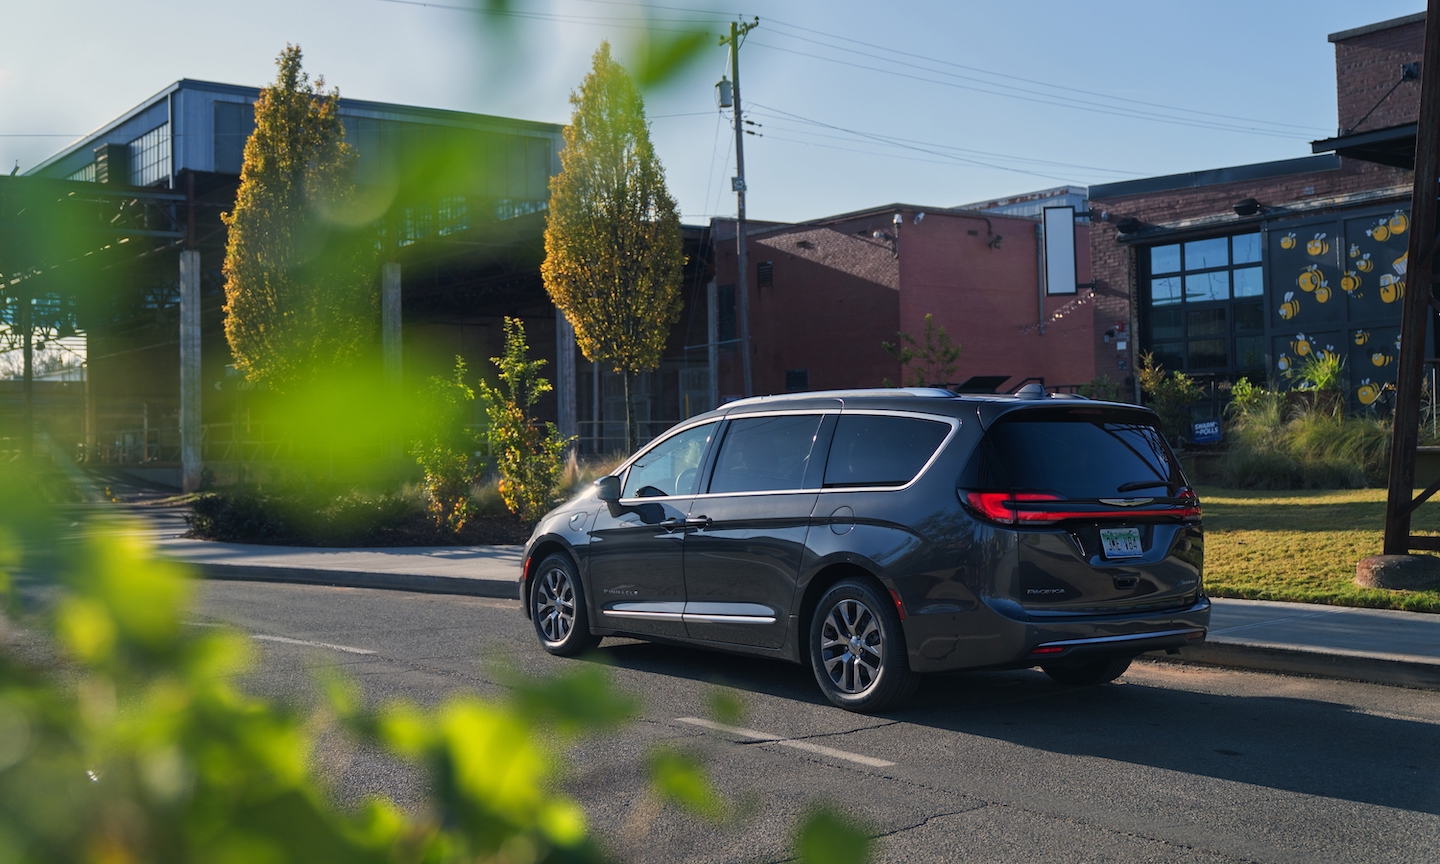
613, 253
300, 292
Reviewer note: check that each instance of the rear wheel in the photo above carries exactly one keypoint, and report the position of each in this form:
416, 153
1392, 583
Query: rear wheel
1094, 672
557, 607
857, 650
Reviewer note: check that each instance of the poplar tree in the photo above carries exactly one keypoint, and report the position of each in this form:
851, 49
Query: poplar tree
613, 252
300, 291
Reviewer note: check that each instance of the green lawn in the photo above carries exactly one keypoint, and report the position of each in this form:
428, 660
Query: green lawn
1303, 546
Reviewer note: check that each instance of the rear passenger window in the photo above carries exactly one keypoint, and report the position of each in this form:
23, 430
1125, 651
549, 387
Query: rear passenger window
765, 453
879, 450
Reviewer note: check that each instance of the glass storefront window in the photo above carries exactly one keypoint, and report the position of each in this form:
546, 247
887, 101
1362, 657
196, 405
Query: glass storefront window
1166, 324
1248, 282
1249, 317
1208, 322
1246, 248
1204, 287
1169, 355
1164, 292
1250, 352
1165, 259
1203, 254
1208, 354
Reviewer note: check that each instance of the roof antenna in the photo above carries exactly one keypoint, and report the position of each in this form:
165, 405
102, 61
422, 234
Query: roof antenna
16, 169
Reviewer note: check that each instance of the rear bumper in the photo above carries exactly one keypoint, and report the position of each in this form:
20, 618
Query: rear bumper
999, 635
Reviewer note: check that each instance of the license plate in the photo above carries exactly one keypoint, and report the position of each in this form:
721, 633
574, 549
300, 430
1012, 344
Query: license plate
1121, 542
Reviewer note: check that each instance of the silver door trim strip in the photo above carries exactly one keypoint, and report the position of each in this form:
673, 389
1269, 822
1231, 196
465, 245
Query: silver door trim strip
700, 613
729, 619
649, 616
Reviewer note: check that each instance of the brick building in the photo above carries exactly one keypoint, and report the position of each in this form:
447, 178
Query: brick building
1248, 270
824, 295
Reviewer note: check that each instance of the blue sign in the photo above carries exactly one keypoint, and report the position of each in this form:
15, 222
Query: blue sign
1205, 432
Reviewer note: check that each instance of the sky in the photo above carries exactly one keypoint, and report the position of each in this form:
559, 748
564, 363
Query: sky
857, 104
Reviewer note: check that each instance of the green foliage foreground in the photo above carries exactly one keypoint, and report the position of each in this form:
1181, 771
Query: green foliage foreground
131, 741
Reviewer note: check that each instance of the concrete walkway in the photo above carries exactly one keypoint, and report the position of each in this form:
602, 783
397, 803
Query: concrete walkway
1375, 645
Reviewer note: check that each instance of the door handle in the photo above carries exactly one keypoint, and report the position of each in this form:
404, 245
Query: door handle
673, 523
697, 521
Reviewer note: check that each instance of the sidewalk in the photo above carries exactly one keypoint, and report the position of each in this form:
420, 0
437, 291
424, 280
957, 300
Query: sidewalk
1374, 645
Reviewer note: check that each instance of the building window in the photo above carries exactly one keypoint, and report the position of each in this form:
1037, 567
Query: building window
797, 380
765, 273
84, 175
1204, 305
150, 156
234, 121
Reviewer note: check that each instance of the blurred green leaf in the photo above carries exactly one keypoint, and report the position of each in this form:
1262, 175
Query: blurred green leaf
583, 700
827, 837
723, 706
663, 55
681, 779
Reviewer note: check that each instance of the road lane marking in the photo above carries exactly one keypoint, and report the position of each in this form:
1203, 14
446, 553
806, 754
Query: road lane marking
767, 738
285, 640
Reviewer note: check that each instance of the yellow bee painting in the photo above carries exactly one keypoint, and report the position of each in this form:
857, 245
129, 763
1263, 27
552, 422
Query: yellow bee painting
1327, 353
1284, 364
1354, 250
1362, 336
1380, 233
1300, 345
1365, 265
1400, 264
1291, 307
1380, 358
1317, 247
1322, 293
1392, 288
1398, 223
1350, 282
1310, 278
1367, 392
1288, 241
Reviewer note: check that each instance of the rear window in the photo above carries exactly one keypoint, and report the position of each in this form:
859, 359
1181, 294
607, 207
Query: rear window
880, 450
1077, 456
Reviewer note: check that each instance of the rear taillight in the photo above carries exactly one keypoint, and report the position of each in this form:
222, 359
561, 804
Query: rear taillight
1043, 508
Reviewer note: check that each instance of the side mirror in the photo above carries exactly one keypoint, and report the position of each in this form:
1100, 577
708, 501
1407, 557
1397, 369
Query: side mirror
608, 489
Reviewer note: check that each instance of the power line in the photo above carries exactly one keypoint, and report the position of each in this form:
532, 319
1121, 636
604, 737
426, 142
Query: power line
1017, 77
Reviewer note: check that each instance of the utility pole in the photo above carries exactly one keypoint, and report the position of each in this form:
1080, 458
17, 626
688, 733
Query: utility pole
742, 293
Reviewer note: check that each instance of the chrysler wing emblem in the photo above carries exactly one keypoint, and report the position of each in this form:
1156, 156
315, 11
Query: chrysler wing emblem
1126, 502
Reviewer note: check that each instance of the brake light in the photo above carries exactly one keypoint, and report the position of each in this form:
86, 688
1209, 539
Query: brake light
1048, 649
1189, 503
1000, 506
1028, 508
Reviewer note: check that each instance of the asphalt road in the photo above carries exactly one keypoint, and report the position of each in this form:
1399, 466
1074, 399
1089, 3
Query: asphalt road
1170, 763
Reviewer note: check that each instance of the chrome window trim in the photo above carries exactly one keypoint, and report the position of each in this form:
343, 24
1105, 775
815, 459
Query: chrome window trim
916, 415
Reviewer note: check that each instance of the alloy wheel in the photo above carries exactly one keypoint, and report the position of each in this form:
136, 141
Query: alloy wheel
555, 605
851, 646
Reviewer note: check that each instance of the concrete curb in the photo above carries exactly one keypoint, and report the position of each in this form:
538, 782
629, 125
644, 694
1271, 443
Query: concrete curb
1396, 670
496, 588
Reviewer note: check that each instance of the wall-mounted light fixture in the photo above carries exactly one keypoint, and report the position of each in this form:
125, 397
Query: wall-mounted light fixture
1247, 207
1129, 225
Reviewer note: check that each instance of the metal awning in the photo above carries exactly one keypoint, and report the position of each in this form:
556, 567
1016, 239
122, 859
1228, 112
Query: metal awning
1393, 146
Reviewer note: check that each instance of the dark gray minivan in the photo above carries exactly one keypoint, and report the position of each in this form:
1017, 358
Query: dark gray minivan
880, 534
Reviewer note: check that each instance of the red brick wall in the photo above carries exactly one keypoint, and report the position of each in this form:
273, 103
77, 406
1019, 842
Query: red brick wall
839, 292
1368, 65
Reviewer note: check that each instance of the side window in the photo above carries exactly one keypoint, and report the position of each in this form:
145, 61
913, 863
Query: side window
670, 467
879, 450
765, 453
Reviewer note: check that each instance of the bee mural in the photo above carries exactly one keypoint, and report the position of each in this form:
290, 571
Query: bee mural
1367, 392
1397, 341
1402, 263
1381, 359
1350, 283
1392, 288
1362, 336
1323, 292
1379, 233
1288, 241
1365, 265
1327, 353
1285, 364
1318, 246
1291, 307
1354, 250
1398, 223
1310, 278
1300, 345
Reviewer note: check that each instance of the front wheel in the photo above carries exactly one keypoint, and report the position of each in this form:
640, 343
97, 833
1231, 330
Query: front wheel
857, 649
557, 607
1094, 672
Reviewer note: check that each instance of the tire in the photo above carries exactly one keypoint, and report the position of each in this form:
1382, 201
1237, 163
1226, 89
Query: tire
1095, 672
557, 608
857, 649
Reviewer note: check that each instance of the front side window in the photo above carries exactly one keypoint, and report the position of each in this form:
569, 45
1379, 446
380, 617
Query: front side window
670, 467
881, 450
765, 453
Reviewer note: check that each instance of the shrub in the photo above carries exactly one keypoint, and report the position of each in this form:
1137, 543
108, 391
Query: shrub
1313, 447
527, 453
1170, 395
446, 451
1101, 388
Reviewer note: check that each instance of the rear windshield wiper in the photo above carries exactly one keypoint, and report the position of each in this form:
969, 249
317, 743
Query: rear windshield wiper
1142, 484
